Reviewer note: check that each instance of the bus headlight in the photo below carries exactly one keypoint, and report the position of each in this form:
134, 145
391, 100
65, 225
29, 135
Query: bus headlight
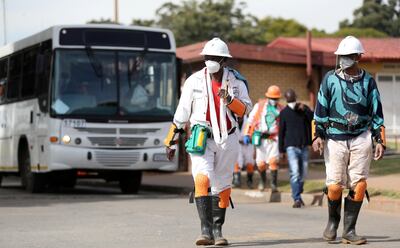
66, 139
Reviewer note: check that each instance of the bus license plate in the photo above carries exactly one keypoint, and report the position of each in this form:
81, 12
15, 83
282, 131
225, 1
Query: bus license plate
75, 123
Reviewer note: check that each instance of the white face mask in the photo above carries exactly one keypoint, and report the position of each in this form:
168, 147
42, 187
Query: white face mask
346, 62
292, 105
272, 102
212, 66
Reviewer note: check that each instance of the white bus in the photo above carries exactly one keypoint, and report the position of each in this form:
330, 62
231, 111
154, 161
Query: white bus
87, 101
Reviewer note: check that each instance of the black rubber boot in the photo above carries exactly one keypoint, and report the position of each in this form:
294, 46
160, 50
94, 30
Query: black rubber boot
334, 209
274, 180
237, 180
204, 208
218, 221
263, 180
351, 211
249, 180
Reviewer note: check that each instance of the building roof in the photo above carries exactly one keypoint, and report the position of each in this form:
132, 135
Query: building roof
377, 49
191, 53
293, 50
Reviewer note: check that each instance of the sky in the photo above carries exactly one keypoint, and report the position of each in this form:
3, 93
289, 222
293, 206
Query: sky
26, 17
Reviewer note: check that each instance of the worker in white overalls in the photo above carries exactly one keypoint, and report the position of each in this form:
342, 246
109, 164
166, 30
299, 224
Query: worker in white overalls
262, 130
212, 99
245, 158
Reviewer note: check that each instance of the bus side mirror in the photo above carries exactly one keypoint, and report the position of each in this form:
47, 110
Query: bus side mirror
43, 103
179, 65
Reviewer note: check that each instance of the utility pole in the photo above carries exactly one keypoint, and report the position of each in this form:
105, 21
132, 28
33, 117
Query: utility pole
115, 11
4, 22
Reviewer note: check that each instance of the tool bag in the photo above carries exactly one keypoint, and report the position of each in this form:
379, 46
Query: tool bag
256, 138
197, 142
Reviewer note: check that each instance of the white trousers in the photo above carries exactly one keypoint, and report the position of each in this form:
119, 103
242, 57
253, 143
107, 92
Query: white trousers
348, 161
268, 150
217, 163
245, 155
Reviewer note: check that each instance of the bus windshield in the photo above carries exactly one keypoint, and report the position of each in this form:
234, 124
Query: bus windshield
131, 85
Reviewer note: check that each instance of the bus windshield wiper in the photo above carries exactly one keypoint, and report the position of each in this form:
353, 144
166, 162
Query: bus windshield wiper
94, 62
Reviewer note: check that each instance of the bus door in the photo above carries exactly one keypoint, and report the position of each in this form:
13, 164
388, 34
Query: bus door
41, 113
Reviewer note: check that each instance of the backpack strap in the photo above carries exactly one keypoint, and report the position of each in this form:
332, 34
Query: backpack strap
239, 77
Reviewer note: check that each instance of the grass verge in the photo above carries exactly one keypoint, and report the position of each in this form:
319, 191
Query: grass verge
316, 186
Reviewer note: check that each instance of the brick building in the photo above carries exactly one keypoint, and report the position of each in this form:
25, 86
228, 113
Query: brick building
283, 62
263, 66
381, 59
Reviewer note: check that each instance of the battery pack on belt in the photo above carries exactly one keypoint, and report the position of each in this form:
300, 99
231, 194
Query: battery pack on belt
344, 127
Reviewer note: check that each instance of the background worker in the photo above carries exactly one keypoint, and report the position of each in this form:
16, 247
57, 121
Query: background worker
294, 140
212, 99
263, 129
245, 158
348, 113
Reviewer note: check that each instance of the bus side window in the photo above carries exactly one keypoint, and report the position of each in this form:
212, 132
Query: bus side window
3, 79
14, 77
29, 72
43, 67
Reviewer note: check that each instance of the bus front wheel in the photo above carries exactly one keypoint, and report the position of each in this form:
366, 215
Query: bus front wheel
32, 182
130, 181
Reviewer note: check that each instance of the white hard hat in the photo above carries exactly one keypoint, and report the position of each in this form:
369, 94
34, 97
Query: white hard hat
2, 81
350, 45
216, 47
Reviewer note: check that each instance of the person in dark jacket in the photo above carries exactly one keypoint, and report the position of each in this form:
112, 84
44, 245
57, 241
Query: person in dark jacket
294, 139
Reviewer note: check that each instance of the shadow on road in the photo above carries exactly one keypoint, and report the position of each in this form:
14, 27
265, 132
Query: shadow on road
13, 195
371, 239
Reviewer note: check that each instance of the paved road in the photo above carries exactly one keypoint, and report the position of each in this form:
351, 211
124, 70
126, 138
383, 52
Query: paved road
101, 217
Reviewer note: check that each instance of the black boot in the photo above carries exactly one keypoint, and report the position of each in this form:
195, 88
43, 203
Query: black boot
351, 211
263, 180
249, 180
237, 180
274, 180
204, 207
334, 208
218, 221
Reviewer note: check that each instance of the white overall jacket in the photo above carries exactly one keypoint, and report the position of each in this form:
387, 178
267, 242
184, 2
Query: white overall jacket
194, 100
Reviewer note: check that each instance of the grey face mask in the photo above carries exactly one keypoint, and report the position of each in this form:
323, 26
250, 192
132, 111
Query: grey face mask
272, 102
346, 62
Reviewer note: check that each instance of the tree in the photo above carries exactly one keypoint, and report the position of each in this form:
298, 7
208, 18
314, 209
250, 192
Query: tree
359, 32
193, 21
318, 33
278, 27
102, 21
139, 22
383, 16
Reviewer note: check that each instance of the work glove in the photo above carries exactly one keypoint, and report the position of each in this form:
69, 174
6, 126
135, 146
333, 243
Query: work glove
246, 139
